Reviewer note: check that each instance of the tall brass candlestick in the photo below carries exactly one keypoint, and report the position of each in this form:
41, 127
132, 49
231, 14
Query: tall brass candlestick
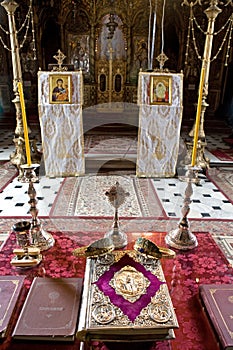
40, 238
182, 238
212, 11
10, 6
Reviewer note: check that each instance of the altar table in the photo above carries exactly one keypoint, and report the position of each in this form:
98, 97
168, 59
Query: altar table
204, 264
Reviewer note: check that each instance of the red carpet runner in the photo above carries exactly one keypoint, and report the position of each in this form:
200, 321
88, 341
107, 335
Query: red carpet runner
225, 155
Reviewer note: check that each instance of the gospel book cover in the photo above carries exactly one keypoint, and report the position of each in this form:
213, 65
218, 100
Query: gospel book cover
50, 311
125, 298
218, 302
10, 288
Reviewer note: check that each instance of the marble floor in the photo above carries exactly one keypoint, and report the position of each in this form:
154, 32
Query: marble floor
207, 201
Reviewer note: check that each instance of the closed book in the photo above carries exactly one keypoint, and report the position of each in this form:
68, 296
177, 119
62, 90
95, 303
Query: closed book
10, 288
218, 303
50, 311
125, 298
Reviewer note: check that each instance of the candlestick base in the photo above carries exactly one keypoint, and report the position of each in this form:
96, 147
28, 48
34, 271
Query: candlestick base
40, 238
118, 237
181, 238
202, 161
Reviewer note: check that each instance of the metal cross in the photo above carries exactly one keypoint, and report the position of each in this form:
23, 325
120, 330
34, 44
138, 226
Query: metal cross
60, 58
162, 58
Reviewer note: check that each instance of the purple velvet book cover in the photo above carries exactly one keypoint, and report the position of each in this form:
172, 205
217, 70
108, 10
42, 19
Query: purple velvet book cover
10, 288
218, 302
129, 309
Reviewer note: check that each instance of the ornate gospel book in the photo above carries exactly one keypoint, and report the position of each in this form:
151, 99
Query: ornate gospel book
50, 311
125, 298
218, 303
10, 288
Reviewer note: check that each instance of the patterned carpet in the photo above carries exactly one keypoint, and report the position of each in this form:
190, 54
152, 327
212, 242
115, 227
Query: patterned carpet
223, 179
223, 154
7, 172
110, 144
86, 197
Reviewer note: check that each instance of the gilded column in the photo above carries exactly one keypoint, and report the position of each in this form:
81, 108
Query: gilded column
211, 12
10, 6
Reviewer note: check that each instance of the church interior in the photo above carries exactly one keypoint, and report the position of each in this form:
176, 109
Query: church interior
116, 142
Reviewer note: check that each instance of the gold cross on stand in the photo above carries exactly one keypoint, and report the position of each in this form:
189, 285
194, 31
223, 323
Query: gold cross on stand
60, 58
162, 58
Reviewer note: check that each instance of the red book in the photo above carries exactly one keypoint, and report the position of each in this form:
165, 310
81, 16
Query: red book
218, 303
10, 288
50, 311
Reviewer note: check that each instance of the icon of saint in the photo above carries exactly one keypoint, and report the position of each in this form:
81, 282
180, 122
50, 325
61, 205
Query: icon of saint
60, 92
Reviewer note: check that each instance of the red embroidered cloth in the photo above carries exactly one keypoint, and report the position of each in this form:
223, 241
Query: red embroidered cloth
204, 264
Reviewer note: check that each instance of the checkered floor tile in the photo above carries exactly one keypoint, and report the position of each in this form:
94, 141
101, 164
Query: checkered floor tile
207, 201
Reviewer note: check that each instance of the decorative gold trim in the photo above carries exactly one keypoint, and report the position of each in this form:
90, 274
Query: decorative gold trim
159, 312
104, 313
129, 283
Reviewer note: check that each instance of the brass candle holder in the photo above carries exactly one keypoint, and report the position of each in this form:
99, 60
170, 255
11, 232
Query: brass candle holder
40, 238
182, 238
116, 196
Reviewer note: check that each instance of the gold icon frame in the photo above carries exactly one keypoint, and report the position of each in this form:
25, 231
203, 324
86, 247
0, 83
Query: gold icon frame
160, 90
60, 88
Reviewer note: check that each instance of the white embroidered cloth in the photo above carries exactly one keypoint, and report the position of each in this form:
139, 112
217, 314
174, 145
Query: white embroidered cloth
61, 127
159, 127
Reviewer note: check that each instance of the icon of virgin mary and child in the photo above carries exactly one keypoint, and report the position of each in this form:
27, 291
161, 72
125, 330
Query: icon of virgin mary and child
60, 92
